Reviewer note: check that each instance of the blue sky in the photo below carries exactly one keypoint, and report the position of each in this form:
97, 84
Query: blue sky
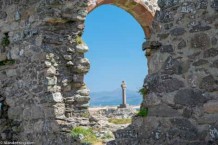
115, 39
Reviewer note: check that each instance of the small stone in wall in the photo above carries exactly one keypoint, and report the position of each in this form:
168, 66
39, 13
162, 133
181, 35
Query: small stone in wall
177, 31
212, 52
166, 49
3, 15
189, 97
17, 16
11, 72
208, 83
215, 64
182, 44
200, 62
213, 40
200, 40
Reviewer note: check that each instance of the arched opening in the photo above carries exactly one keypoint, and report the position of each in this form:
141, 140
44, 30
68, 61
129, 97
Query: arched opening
114, 38
137, 8
144, 17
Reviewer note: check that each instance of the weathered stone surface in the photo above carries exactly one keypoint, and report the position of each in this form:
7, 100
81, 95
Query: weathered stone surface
174, 66
42, 41
163, 111
213, 40
79, 98
215, 64
182, 44
166, 49
177, 31
200, 62
154, 84
211, 107
189, 97
212, 52
200, 40
82, 48
208, 83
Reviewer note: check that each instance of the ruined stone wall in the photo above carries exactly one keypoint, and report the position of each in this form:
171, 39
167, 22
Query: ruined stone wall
42, 67
182, 84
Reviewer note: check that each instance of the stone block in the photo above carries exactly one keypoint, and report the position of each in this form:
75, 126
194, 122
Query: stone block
163, 111
211, 107
11, 72
82, 48
189, 97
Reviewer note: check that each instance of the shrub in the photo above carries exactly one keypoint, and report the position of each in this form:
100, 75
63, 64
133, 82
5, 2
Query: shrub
143, 91
89, 136
143, 112
120, 121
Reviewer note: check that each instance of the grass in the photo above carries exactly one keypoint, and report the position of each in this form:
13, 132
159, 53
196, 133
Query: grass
89, 136
143, 112
120, 121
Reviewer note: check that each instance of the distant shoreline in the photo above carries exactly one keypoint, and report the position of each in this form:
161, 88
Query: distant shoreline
111, 107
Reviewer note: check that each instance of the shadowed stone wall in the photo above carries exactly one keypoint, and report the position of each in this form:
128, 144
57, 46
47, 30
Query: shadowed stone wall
42, 66
182, 83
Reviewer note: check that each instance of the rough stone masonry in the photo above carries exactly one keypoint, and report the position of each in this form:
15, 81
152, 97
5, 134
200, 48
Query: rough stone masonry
42, 66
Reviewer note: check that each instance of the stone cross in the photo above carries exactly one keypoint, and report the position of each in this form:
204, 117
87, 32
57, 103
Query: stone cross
123, 86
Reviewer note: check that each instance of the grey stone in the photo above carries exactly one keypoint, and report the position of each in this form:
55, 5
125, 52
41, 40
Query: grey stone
166, 49
17, 16
3, 15
211, 107
54, 97
200, 40
189, 97
174, 66
84, 92
51, 81
177, 31
215, 64
80, 98
213, 40
163, 111
151, 100
212, 52
68, 57
181, 44
154, 84
207, 83
11, 72
208, 119
198, 28
200, 62
82, 48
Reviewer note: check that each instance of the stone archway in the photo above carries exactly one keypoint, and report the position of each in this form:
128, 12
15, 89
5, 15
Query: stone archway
142, 12
42, 67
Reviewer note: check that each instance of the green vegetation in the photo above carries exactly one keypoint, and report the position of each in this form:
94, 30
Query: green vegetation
5, 41
120, 121
7, 62
89, 136
143, 112
85, 114
143, 91
79, 40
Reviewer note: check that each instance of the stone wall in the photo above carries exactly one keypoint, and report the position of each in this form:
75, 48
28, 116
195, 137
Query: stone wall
42, 67
182, 83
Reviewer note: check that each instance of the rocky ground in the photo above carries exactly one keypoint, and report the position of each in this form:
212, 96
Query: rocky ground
104, 121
